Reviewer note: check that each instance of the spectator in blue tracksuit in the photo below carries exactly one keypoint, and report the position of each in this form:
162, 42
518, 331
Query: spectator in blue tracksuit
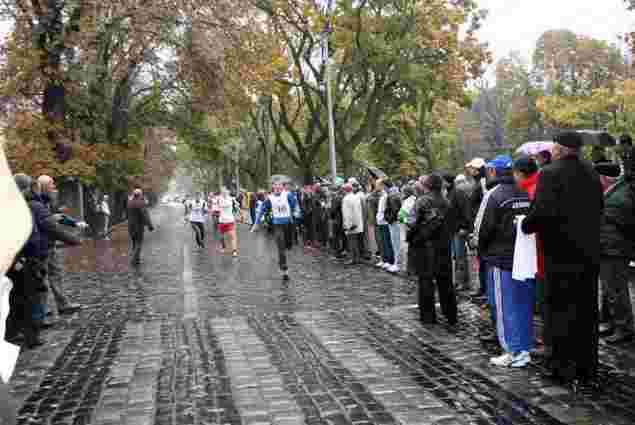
281, 204
513, 299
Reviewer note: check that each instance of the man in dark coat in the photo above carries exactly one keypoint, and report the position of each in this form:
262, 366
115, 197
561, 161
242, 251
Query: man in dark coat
567, 212
617, 239
138, 220
430, 238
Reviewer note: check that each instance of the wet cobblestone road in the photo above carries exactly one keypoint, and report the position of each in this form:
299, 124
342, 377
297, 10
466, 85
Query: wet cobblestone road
197, 337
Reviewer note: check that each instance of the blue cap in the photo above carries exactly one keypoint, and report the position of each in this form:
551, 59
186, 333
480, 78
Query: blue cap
501, 162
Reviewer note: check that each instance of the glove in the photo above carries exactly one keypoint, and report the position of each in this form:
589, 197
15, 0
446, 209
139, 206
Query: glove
151, 228
354, 227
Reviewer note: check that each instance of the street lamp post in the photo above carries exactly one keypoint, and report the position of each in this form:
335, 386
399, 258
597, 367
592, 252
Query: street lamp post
329, 95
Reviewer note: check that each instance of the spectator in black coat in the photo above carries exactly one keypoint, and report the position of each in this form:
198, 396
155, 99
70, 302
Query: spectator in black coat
430, 238
567, 212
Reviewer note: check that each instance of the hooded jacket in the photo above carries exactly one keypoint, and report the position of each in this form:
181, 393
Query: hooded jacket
497, 227
617, 232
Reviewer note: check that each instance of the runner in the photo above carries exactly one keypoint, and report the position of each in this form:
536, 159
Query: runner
197, 220
227, 220
215, 214
281, 204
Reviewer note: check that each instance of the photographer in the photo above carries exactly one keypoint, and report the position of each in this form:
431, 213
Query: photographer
617, 249
29, 270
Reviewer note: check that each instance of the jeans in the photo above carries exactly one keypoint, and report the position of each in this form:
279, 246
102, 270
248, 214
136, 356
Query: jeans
395, 239
386, 244
461, 264
252, 215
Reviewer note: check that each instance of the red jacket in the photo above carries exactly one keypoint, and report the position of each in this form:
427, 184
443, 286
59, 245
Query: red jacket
530, 186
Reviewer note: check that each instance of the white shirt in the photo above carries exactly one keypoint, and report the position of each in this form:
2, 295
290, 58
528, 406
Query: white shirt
280, 207
197, 214
381, 210
105, 208
226, 205
215, 205
525, 256
352, 214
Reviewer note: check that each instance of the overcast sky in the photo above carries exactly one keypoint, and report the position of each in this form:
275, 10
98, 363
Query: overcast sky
517, 24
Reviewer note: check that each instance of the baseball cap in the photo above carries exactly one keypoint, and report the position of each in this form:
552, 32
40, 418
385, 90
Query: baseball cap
501, 162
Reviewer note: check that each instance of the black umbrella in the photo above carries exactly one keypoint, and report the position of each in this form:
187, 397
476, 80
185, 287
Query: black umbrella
376, 173
597, 138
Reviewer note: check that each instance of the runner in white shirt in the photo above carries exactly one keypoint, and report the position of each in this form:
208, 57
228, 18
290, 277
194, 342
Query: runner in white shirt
215, 213
198, 211
227, 220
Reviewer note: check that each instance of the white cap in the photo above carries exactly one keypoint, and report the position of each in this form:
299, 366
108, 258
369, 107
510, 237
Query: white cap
475, 163
460, 179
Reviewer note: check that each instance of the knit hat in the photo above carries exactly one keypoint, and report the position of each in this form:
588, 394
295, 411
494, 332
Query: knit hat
570, 139
434, 182
526, 165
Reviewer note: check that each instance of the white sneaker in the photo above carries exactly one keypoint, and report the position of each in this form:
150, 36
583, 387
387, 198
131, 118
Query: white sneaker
386, 266
393, 269
505, 360
521, 359
380, 264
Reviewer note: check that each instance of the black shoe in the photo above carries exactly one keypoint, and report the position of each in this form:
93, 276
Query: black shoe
550, 375
70, 309
15, 339
606, 330
46, 324
285, 276
34, 343
619, 337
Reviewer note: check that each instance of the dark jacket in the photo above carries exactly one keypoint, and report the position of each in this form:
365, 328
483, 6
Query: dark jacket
617, 234
432, 253
460, 215
393, 205
138, 218
373, 206
497, 228
567, 212
46, 230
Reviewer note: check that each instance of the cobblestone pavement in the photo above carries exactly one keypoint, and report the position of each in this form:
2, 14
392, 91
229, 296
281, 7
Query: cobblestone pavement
194, 336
